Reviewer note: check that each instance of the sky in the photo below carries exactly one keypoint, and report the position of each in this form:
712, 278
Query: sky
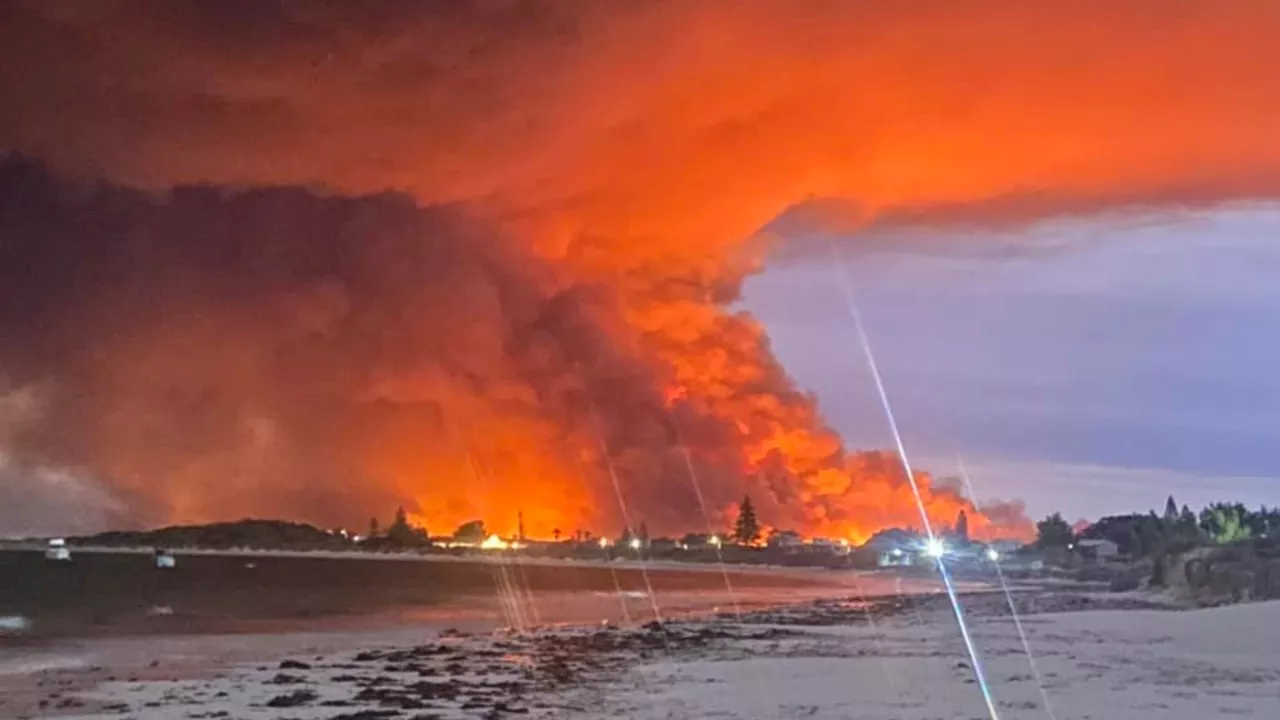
1090, 366
483, 259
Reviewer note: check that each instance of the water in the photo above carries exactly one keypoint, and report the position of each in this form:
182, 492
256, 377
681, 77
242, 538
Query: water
121, 594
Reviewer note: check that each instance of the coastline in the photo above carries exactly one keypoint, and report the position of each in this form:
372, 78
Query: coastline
899, 657
495, 557
108, 594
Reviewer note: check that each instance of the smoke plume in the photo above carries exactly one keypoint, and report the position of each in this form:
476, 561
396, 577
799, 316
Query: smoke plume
329, 257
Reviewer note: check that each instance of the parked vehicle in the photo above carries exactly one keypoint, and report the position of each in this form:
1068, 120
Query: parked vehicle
57, 551
164, 559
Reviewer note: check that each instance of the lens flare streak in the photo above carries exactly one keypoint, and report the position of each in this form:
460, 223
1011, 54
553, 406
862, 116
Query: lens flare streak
933, 540
622, 507
702, 505
1013, 610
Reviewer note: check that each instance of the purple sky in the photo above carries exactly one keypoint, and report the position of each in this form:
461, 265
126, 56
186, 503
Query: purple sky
1091, 367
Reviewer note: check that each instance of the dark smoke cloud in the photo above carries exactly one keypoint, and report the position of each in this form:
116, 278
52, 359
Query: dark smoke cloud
274, 350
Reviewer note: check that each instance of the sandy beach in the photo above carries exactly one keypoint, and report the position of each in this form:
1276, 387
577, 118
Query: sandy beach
1069, 655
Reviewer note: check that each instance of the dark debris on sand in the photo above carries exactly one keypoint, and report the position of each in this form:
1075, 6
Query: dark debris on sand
293, 699
490, 677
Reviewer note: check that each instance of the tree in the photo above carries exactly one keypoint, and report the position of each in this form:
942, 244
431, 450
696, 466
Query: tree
1170, 510
747, 529
400, 522
1185, 533
1186, 516
643, 534
1151, 536
373, 527
1136, 535
962, 528
1053, 532
1226, 523
1160, 570
555, 534
401, 532
472, 532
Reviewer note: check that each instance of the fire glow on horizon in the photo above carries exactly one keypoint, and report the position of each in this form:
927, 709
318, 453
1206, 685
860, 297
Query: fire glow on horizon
583, 197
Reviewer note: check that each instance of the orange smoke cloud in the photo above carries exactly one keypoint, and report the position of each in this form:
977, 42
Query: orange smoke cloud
639, 150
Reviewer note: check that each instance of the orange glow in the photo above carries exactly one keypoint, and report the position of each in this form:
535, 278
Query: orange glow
640, 149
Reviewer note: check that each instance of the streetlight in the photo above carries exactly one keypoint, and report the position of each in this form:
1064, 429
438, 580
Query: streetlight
636, 543
993, 555
935, 548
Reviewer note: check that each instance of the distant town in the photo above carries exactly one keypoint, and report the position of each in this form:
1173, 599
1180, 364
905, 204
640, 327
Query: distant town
1145, 541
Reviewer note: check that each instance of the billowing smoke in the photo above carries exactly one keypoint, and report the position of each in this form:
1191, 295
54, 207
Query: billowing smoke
584, 181
208, 353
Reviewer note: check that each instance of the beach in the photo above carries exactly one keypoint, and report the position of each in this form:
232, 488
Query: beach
1067, 654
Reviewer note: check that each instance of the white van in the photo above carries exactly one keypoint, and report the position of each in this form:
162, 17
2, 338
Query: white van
57, 551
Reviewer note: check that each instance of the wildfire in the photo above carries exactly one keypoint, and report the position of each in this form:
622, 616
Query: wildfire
545, 322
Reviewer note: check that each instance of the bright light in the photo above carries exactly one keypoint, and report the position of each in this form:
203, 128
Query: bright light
493, 542
715, 540
604, 542
635, 543
993, 555
896, 552
935, 548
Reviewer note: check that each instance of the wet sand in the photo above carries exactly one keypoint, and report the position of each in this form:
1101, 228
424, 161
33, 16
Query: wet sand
1095, 656
112, 618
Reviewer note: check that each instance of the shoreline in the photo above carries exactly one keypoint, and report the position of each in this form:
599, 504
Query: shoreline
490, 557
106, 594
580, 670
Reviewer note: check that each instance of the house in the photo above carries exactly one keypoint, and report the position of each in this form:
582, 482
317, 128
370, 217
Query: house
663, 545
1099, 550
893, 547
785, 540
1006, 547
700, 541
827, 546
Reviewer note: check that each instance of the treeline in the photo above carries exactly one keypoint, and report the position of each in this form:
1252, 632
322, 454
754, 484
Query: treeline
1177, 530
1157, 537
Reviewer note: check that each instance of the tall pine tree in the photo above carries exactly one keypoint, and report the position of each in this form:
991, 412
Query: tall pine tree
747, 529
962, 528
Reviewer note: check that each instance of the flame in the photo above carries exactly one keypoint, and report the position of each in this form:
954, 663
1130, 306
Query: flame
626, 158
